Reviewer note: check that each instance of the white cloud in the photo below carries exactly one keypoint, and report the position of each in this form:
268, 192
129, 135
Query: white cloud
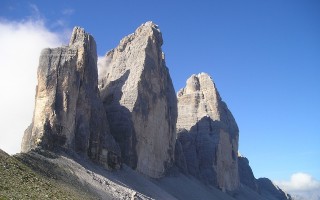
301, 185
299, 182
21, 44
103, 63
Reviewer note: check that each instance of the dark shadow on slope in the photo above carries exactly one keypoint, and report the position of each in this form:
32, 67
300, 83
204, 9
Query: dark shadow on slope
199, 147
120, 121
54, 166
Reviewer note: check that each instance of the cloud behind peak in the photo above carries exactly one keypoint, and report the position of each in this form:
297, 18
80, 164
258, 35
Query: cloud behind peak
301, 185
21, 44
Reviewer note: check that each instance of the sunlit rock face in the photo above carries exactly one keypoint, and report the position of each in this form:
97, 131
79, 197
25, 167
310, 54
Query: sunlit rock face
140, 101
68, 111
208, 134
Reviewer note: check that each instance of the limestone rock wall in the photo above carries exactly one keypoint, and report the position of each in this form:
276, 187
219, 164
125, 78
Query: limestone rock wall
140, 101
263, 186
131, 113
68, 111
208, 134
246, 175
271, 191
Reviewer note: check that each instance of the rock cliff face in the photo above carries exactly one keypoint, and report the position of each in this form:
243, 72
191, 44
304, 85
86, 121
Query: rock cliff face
246, 175
263, 186
131, 114
68, 111
207, 133
269, 190
140, 101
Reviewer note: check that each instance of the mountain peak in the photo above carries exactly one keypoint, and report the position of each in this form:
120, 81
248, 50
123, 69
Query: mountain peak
150, 29
132, 116
212, 158
68, 110
78, 34
80, 37
140, 101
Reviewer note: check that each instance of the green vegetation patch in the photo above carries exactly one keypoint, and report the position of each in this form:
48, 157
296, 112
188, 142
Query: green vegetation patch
17, 181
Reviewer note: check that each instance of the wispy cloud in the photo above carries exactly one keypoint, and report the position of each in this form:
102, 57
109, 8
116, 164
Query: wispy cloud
21, 43
36, 14
68, 11
302, 185
62, 23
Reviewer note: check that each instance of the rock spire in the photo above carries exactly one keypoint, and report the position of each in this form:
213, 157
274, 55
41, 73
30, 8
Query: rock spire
140, 101
207, 134
68, 111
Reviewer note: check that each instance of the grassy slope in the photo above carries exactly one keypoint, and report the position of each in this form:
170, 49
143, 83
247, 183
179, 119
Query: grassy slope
17, 181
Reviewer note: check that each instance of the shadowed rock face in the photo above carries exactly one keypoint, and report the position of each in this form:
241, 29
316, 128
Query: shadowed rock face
140, 101
263, 186
246, 175
208, 134
68, 111
269, 190
136, 117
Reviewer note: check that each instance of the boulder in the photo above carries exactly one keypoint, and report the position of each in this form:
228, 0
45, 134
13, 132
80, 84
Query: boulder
68, 112
140, 101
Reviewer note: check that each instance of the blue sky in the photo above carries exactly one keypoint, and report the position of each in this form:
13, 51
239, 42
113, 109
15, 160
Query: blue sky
264, 57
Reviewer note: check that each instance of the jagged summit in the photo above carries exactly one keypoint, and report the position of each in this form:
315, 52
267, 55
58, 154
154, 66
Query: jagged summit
79, 35
197, 82
202, 88
151, 29
147, 31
